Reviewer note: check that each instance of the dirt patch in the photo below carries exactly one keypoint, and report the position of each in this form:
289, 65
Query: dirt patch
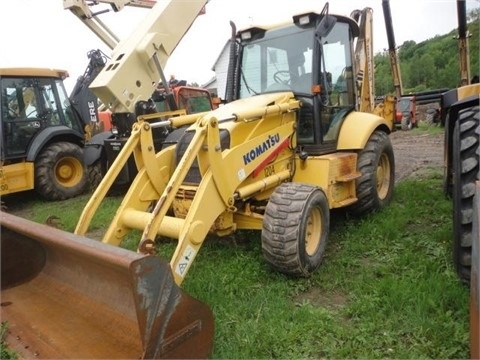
326, 299
417, 154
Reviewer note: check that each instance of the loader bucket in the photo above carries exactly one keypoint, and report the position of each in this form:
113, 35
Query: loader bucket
67, 296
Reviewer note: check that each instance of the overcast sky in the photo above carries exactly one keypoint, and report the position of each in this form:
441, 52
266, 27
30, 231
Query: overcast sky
40, 33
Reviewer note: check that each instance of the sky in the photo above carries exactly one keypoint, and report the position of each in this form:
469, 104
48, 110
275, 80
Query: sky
41, 33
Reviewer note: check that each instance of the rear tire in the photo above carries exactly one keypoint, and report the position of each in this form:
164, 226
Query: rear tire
376, 163
295, 229
466, 171
95, 175
60, 172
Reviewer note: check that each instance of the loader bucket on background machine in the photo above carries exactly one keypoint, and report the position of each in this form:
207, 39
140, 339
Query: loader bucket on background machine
67, 296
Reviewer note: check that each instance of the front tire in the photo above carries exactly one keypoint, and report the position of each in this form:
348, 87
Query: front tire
466, 170
406, 122
376, 163
295, 229
60, 172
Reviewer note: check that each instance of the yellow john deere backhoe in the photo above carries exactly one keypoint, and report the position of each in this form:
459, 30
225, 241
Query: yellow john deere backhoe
297, 137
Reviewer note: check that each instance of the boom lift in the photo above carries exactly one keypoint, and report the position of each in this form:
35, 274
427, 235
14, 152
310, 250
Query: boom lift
102, 149
290, 147
83, 10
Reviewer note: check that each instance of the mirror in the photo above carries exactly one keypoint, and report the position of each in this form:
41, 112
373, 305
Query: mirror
326, 23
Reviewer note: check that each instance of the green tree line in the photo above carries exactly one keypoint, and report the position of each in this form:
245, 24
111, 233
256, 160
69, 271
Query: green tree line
431, 64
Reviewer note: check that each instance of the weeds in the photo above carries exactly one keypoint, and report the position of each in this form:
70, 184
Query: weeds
5, 353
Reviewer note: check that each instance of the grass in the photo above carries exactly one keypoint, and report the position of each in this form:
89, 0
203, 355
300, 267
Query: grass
386, 289
5, 353
424, 127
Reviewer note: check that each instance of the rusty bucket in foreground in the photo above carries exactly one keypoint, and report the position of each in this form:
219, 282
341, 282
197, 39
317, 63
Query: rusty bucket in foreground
67, 296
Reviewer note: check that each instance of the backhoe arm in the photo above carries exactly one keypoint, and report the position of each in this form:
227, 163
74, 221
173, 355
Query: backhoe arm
364, 60
463, 47
392, 49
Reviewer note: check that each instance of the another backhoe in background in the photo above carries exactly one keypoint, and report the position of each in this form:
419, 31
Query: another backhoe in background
298, 138
43, 130
41, 135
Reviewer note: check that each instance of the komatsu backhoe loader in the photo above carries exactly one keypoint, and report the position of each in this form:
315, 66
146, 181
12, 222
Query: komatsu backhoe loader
290, 145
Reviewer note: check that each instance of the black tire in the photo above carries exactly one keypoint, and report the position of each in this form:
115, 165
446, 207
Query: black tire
95, 175
60, 172
430, 117
406, 122
466, 170
295, 229
374, 187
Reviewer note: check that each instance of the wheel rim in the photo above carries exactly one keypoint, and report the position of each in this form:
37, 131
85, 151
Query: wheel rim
68, 171
383, 176
313, 232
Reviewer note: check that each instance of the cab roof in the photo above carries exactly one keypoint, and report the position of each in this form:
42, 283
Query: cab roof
34, 72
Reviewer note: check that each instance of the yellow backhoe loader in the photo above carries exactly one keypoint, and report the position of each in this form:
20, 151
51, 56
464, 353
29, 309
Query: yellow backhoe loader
297, 138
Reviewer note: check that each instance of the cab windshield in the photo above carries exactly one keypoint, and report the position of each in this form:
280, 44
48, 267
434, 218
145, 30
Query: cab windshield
283, 60
280, 61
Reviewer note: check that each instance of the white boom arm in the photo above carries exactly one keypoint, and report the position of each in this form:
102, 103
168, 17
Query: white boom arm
82, 10
136, 63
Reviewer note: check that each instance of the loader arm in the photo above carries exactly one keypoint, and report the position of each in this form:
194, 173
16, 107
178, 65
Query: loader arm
223, 174
215, 194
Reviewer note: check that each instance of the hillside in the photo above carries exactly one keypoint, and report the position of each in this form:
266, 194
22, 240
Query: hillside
431, 64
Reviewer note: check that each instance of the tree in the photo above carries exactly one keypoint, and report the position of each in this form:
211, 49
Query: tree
431, 64
422, 71
407, 50
473, 15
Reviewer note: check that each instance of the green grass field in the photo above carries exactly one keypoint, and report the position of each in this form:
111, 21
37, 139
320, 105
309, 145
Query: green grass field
386, 289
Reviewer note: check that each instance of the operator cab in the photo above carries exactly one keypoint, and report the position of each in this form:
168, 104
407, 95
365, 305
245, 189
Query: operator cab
30, 104
311, 58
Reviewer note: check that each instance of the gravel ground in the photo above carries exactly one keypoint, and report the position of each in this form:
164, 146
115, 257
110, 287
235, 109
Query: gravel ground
416, 154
